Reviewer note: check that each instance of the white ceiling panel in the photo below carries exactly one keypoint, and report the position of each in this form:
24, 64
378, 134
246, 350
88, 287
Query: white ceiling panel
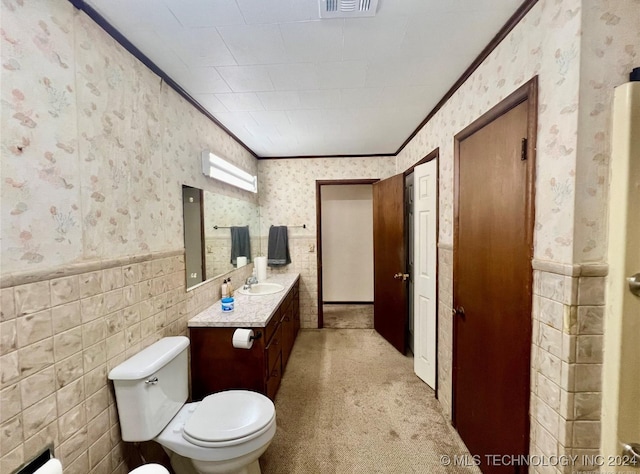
320, 99
337, 75
361, 97
133, 15
198, 46
378, 37
241, 101
272, 118
202, 80
289, 84
313, 41
255, 44
281, 11
246, 78
211, 103
205, 13
294, 76
280, 100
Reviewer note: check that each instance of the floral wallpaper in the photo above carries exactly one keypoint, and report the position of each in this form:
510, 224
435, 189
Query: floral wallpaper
95, 148
288, 186
41, 209
579, 50
610, 50
552, 52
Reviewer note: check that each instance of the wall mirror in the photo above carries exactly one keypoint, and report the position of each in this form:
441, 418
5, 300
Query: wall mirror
208, 218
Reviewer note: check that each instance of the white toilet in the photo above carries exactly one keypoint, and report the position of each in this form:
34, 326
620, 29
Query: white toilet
224, 433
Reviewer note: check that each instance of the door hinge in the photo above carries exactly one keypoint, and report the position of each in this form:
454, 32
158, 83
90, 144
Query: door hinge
523, 150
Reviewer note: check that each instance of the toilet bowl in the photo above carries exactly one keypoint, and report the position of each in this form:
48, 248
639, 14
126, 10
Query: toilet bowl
225, 433
150, 469
245, 425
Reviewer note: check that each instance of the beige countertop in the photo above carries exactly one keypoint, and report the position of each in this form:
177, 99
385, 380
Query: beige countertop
249, 311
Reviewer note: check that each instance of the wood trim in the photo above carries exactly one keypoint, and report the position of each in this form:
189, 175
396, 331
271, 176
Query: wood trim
427, 158
129, 46
348, 302
302, 157
528, 91
319, 184
320, 324
341, 182
493, 44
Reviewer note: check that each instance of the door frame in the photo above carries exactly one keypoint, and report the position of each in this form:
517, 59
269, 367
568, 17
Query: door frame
319, 184
526, 92
432, 155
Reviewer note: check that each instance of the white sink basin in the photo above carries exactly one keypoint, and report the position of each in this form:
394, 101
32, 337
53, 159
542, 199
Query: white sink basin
260, 289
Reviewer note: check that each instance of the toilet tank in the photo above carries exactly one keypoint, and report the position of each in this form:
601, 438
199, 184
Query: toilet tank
151, 387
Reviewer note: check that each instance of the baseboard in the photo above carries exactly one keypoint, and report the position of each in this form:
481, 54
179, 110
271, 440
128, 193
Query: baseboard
347, 302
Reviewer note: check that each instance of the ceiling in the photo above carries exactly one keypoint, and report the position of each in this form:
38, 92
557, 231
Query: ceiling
287, 83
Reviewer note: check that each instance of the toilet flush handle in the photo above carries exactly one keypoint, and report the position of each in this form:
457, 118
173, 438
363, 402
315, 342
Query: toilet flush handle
151, 381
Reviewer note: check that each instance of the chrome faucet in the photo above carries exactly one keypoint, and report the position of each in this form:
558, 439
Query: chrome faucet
252, 280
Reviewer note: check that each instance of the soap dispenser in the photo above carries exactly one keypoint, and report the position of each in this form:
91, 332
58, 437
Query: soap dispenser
225, 289
229, 288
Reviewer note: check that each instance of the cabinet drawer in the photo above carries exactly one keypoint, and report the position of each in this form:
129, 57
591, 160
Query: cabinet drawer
273, 349
273, 382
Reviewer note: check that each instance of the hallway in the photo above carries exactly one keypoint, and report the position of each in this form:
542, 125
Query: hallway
350, 403
348, 316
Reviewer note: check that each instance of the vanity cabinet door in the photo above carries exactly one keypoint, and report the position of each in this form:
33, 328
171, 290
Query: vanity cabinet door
273, 350
296, 309
288, 334
273, 383
216, 365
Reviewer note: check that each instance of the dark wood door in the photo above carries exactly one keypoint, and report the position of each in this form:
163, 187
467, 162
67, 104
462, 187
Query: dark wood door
492, 290
390, 311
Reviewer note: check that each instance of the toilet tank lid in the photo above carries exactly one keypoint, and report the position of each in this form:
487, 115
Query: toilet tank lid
150, 359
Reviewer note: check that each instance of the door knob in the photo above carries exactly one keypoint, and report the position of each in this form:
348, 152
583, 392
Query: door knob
631, 454
459, 311
401, 276
634, 284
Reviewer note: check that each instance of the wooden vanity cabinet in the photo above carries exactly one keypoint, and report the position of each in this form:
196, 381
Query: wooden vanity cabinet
216, 365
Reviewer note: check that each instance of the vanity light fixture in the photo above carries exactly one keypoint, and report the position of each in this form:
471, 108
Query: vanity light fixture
218, 168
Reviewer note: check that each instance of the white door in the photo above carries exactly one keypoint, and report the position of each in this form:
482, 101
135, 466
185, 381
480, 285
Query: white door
621, 377
425, 214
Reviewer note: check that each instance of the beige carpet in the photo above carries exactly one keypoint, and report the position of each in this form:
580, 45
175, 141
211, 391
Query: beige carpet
350, 403
348, 316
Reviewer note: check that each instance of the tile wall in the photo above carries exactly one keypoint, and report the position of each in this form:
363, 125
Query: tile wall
304, 260
566, 361
61, 335
445, 327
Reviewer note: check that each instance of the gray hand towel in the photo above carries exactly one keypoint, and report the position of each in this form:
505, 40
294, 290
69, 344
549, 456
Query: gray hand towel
278, 248
240, 244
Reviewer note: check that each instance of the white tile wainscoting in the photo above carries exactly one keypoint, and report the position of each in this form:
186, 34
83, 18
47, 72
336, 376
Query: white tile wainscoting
62, 331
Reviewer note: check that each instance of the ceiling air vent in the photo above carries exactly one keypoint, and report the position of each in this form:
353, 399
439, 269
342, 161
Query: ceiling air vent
347, 8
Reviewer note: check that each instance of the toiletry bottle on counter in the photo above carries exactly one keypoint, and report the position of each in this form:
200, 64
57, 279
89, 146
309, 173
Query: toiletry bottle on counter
230, 288
225, 289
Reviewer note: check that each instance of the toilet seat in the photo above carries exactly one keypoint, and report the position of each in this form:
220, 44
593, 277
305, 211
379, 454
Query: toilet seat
229, 418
